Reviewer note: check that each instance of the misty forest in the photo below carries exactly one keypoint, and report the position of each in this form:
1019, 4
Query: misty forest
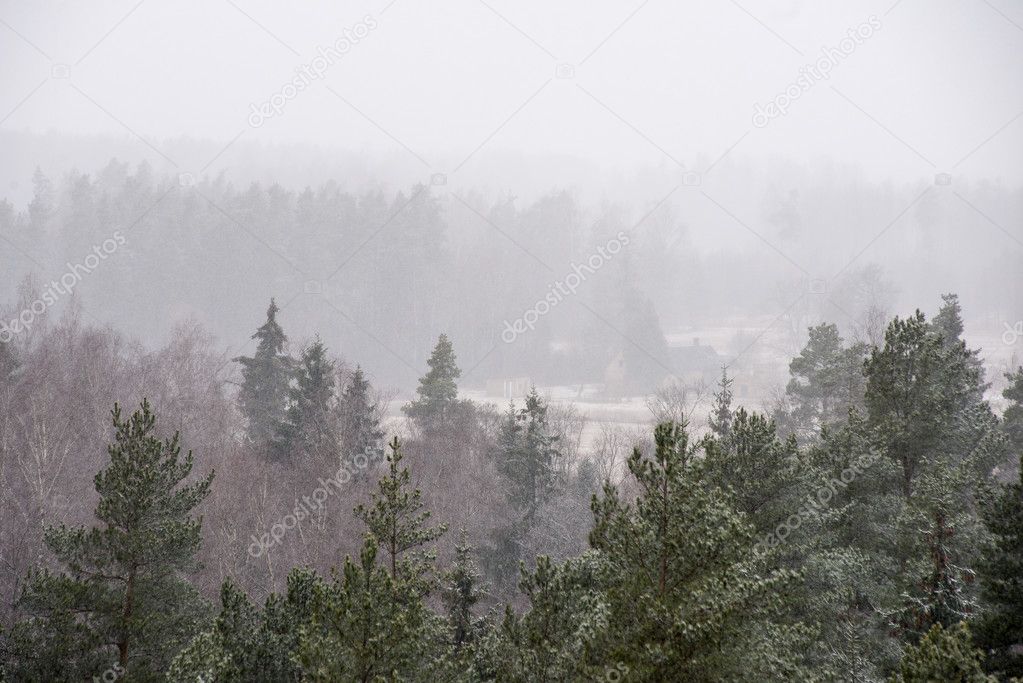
503, 342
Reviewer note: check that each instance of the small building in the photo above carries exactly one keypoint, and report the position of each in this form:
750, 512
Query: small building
696, 362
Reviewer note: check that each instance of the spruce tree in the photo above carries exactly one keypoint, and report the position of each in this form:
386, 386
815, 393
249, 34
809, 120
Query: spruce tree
941, 597
528, 456
309, 427
720, 419
437, 395
948, 323
121, 596
266, 377
461, 590
359, 421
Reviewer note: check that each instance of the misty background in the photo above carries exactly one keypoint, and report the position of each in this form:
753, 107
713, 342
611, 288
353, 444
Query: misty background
458, 160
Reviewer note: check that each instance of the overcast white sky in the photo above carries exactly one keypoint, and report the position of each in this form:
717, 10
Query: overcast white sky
449, 85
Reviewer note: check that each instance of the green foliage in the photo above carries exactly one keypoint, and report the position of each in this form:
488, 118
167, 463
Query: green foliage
398, 522
266, 377
121, 596
1012, 420
827, 381
528, 455
1000, 627
562, 636
359, 422
438, 391
945, 656
720, 419
461, 590
763, 472
309, 426
247, 644
368, 625
686, 598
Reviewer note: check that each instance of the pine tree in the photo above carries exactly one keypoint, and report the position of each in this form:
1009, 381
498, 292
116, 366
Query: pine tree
438, 391
248, 644
916, 389
121, 597
398, 522
309, 427
359, 421
720, 419
564, 633
686, 600
368, 625
1000, 627
945, 655
266, 377
941, 598
827, 380
763, 472
949, 324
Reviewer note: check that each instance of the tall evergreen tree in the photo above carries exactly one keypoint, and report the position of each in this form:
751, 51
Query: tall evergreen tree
686, 598
266, 377
309, 427
1000, 627
250, 644
121, 597
949, 324
368, 625
827, 380
945, 655
916, 388
438, 391
461, 591
1012, 420
399, 523
359, 420
528, 455
720, 419
764, 473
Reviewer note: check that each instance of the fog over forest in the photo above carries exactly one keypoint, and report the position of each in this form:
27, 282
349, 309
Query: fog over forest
495, 341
